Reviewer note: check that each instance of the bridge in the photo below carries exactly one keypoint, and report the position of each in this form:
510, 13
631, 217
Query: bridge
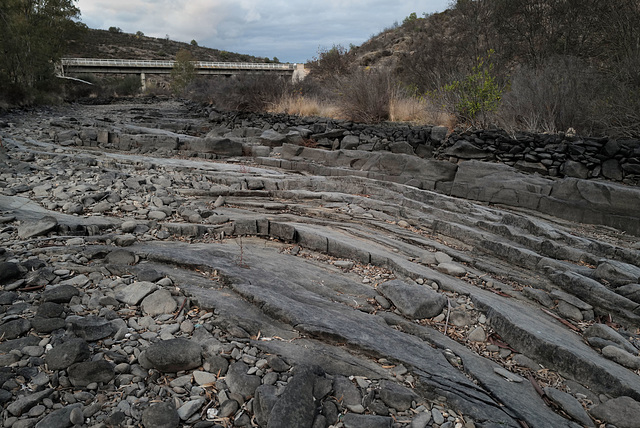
143, 67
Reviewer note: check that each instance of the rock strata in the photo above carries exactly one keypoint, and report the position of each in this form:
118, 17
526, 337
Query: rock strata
353, 285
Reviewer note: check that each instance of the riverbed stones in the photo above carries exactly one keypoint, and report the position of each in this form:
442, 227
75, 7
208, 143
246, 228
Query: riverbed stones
240, 382
621, 411
569, 404
160, 415
67, 353
134, 293
174, 355
414, 301
159, 302
281, 296
36, 228
88, 372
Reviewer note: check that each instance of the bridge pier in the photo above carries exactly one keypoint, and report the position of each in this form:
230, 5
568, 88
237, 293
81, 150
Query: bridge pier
143, 82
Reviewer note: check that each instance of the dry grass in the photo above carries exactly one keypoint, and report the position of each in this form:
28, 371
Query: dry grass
420, 112
305, 106
402, 109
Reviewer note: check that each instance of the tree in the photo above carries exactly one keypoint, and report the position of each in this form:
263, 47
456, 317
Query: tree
332, 62
183, 71
115, 30
33, 35
194, 43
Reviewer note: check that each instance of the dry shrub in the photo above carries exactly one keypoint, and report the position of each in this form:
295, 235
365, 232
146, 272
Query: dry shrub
365, 95
255, 93
561, 94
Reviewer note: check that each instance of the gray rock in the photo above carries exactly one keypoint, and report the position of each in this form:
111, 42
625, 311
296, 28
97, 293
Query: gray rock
630, 291
397, 396
149, 275
160, 415
91, 328
465, 150
605, 332
15, 328
219, 145
60, 418
401, 147
158, 303
37, 228
421, 420
414, 301
621, 411
125, 240
350, 142
62, 293
228, 408
82, 374
120, 257
9, 272
189, 408
47, 325
575, 169
67, 353
352, 420
296, 405
477, 335
439, 133
265, 399
23, 404
174, 355
571, 299
49, 310
346, 392
272, 138
277, 363
135, 292
567, 310
453, 269
621, 357
570, 405
611, 169
240, 382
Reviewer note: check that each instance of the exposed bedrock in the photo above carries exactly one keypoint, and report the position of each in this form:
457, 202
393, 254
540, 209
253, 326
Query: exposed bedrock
280, 283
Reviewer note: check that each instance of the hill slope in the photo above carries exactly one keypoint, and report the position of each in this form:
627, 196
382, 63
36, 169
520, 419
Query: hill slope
111, 44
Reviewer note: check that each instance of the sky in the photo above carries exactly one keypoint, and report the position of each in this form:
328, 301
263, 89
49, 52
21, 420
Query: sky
291, 30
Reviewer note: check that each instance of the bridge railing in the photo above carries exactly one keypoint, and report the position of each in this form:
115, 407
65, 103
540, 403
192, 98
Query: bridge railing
93, 62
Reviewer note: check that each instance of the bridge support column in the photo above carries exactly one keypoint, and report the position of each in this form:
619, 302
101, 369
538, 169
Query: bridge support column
143, 82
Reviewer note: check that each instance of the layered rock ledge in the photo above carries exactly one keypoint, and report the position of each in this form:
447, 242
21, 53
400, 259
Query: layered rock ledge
160, 267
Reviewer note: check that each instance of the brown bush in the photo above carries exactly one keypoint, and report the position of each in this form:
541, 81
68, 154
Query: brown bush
254, 93
365, 95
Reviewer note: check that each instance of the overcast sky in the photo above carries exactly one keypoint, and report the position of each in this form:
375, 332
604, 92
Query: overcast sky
291, 30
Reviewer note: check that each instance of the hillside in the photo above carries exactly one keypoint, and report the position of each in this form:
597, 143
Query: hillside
549, 66
111, 44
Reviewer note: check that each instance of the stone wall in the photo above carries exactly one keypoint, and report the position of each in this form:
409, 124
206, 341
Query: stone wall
554, 155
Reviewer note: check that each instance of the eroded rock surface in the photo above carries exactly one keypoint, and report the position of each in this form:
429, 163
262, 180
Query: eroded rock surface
297, 286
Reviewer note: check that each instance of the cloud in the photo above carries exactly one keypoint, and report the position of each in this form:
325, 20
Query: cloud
291, 30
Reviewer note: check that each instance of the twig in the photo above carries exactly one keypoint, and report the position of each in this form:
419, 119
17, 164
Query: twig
563, 321
446, 323
181, 308
35, 287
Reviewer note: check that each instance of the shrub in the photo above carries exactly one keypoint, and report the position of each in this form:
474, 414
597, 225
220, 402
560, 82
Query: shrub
562, 93
253, 93
477, 96
331, 63
365, 95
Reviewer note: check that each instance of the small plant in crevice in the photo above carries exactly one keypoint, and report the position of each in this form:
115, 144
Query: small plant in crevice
240, 260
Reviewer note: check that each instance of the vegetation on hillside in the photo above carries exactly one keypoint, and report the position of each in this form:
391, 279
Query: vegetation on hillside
32, 39
536, 65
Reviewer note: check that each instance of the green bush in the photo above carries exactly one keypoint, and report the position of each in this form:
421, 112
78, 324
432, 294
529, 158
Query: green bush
478, 95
